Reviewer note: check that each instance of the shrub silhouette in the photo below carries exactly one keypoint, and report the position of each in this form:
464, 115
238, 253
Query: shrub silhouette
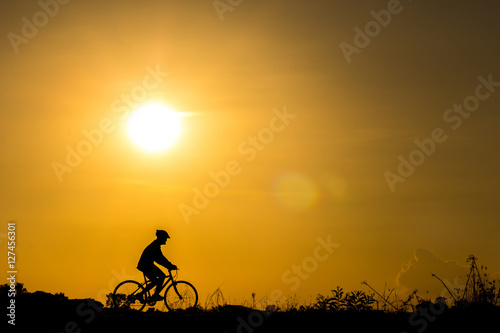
352, 301
19, 287
478, 291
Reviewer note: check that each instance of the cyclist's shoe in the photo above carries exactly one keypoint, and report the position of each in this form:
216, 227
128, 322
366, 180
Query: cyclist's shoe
140, 297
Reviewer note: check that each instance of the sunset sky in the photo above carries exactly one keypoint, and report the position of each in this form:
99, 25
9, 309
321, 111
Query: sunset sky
370, 125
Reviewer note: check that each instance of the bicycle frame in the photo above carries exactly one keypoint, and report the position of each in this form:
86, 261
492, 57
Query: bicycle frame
130, 293
170, 278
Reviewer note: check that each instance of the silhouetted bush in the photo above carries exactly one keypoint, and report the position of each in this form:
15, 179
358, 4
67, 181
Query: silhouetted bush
339, 301
479, 291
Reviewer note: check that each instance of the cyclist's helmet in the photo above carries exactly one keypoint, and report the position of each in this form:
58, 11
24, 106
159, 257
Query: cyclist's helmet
162, 234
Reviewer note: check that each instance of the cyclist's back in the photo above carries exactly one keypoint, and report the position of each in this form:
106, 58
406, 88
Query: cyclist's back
151, 254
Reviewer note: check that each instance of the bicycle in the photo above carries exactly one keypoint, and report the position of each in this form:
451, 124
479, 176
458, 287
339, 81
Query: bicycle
133, 295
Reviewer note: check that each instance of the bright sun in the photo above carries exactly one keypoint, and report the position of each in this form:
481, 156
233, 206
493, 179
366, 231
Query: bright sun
154, 127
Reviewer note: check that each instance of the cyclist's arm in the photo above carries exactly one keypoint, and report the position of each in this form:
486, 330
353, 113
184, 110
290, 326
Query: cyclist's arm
161, 260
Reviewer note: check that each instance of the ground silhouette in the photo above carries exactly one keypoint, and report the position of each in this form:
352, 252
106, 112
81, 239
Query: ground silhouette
44, 312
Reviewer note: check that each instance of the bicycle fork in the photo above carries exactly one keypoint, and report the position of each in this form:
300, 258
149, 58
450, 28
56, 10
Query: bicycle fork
176, 291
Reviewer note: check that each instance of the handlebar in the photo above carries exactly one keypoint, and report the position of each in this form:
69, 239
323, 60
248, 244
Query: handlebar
173, 273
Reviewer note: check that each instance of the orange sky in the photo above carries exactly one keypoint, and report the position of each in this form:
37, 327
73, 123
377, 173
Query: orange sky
308, 131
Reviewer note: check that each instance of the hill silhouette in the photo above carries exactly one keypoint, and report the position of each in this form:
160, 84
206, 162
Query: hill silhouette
44, 312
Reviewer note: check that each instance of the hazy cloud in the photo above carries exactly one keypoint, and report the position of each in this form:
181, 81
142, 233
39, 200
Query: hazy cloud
417, 274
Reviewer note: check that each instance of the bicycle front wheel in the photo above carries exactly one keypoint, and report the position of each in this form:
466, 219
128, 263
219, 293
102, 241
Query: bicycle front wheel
126, 296
181, 295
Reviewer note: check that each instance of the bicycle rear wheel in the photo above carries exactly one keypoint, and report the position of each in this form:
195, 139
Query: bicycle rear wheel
125, 296
181, 295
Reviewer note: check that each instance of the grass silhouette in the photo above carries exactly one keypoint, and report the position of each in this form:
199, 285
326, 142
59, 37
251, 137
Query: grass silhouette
475, 307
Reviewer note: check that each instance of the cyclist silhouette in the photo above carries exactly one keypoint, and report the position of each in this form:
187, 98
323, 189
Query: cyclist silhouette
151, 254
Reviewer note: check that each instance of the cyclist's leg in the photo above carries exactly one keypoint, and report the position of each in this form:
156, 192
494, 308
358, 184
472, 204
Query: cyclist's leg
160, 278
148, 284
157, 278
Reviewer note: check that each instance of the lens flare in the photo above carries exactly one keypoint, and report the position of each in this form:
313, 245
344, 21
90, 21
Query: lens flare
295, 191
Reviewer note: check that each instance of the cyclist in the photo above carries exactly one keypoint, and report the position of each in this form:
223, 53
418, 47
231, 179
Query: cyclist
151, 254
